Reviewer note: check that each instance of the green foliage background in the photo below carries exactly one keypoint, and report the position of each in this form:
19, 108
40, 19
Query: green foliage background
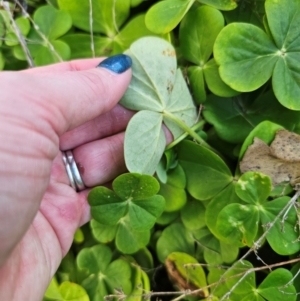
240, 62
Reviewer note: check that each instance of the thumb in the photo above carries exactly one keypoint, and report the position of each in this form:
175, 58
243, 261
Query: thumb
75, 97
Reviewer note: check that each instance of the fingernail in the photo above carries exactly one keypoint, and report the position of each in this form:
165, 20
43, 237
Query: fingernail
118, 63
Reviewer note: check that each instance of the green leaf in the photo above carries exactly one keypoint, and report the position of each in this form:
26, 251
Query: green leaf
103, 233
247, 12
189, 269
128, 213
104, 276
144, 142
282, 237
165, 15
135, 186
106, 207
46, 56
132, 31
174, 190
238, 224
73, 292
24, 26
274, 287
196, 41
253, 187
174, 238
233, 275
205, 167
214, 81
80, 45
134, 197
158, 90
215, 206
2, 61
234, 118
128, 240
221, 4
241, 47
196, 78
192, 214
167, 218
108, 15
214, 250
52, 23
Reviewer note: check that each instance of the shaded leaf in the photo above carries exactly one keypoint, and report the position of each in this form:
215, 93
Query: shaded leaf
206, 172
174, 238
234, 118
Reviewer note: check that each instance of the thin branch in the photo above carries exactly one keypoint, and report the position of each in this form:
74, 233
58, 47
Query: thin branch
18, 33
258, 243
185, 293
91, 28
36, 27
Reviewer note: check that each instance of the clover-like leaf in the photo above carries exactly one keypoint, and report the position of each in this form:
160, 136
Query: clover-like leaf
241, 47
192, 214
234, 118
279, 278
196, 44
174, 190
104, 275
282, 237
159, 91
253, 187
174, 238
165, 15
221, 200
134, 196
51, 24
107, 16
206, 173
66, 291
127, 213
214, 250
238, 224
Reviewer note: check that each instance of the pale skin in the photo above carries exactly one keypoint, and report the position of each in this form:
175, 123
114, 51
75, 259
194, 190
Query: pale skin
43, 111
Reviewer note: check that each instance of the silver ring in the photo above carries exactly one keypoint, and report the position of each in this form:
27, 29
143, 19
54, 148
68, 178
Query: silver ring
72, 171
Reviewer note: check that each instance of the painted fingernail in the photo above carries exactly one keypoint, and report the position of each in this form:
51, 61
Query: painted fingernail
118, 63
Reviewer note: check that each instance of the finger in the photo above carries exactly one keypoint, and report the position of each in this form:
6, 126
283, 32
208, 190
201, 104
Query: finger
105, 125
100, 161
71, 98
76, 65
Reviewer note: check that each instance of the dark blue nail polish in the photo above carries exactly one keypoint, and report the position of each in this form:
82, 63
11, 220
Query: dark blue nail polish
118, 63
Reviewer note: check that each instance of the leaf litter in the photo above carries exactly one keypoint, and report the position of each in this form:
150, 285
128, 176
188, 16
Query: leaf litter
280, 161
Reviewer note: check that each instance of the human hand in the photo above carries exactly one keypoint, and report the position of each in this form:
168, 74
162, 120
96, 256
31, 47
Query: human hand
45, 110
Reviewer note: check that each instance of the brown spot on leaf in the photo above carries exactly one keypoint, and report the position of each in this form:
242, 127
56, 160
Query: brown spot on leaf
179, 281
169, 52
280, 161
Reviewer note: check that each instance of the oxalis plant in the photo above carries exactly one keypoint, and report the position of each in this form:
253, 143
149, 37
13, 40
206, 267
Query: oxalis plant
214, 215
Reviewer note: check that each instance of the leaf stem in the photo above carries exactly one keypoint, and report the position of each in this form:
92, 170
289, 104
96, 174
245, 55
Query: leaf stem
188, 130
195, 127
